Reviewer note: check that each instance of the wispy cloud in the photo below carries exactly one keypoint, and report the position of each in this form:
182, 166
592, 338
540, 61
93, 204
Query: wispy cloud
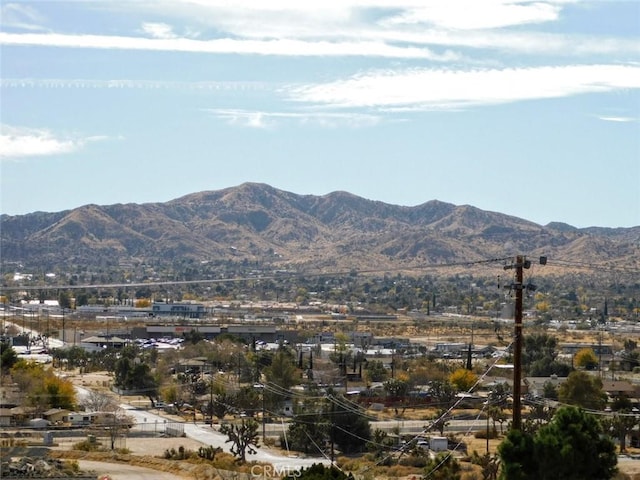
286, 17
281, 47
21, 16
265, 120
429, 89
419, 29
18, 142
617, 119
477, 15
227, 86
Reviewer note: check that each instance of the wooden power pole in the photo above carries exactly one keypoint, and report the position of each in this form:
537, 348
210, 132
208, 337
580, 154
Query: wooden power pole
518, 286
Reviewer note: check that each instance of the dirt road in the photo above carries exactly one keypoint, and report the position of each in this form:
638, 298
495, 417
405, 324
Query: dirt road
122, 471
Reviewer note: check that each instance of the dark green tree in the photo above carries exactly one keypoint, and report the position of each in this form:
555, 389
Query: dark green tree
583, 390
308, 433
351, 428
396, 388
8, 356
376, 371
570, 447
318, 471
517, 456
133, 374
64, 300
539, 356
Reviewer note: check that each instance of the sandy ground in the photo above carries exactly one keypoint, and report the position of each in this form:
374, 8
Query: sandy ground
151, 446
119, 471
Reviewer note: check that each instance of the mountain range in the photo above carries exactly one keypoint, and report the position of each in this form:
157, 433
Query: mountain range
334, 232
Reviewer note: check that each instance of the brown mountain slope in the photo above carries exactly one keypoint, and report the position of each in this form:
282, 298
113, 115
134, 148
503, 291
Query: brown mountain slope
258, 223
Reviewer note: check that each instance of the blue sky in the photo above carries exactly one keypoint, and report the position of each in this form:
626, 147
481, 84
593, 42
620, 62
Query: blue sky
526, 108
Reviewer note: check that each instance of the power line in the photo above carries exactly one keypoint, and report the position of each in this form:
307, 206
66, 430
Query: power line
301, 274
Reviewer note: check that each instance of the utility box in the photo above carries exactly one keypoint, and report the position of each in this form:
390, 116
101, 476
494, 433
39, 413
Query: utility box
438, 444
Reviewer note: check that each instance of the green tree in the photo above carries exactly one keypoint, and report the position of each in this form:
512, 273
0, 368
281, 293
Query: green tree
351, 428
439, 421
443, 467
620, 425
570, 447
442, 393
64, 300
396, 388
582, 390
307, 432
222, 405
380, 443
376, 371
243, 437
490, 465
133, 374
282, 371
517, 455
539, 355
8, 356
550, 391
318, 471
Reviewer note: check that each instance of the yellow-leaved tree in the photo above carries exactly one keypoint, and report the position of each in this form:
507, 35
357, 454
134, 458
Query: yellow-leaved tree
463, 379
586, 358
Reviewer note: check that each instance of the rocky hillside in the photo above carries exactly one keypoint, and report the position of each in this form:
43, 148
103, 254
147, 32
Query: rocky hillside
258, 223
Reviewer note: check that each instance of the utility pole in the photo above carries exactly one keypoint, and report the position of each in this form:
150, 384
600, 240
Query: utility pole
520, 264
518, 286
211, 396
332, 432
263, 422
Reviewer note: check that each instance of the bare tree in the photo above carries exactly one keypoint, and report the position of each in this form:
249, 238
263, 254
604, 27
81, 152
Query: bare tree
109, 416
98, 402
115, 423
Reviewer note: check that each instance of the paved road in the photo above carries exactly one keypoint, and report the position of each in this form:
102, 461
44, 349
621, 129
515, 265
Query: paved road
205, 434
123, 471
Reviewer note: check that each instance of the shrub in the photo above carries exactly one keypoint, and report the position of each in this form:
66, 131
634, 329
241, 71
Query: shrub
492, 433
180, 454
208, 453
414, 461
87, 446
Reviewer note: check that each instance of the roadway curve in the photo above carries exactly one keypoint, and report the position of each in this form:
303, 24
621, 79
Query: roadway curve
206, 435
124, 471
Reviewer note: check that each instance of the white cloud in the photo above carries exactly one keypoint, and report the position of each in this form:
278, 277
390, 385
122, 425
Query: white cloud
487, 14
258, 119
255, 17
617, 119
429, 89
21, 16
158, 30
375, 28
17, 142
270, 47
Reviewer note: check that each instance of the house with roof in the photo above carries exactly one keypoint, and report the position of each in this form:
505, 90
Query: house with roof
620, 389
55, 415
535, 385
6, 417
